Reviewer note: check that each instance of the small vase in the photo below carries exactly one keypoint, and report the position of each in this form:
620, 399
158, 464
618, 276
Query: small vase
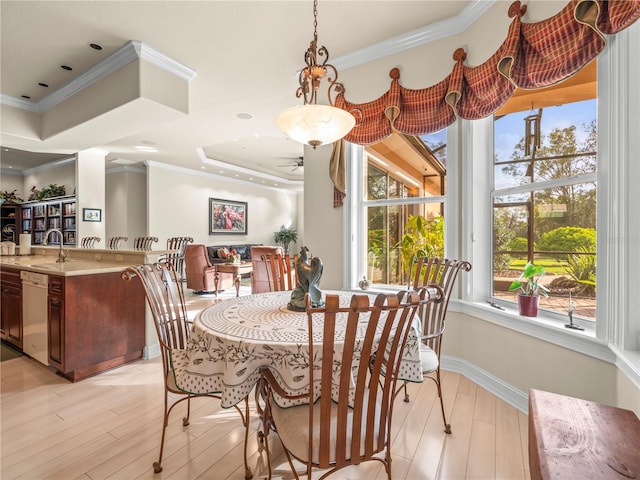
364, 283
528, 305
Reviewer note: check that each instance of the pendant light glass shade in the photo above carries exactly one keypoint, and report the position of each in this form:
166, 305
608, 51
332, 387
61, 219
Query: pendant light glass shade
315, 124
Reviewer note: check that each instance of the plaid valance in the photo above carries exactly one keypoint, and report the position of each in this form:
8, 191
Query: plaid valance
533, 55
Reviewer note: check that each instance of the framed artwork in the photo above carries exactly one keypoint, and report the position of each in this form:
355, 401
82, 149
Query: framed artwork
227, 216
91, 215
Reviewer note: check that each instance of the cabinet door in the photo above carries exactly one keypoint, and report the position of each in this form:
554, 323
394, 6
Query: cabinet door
55, 333
11, 315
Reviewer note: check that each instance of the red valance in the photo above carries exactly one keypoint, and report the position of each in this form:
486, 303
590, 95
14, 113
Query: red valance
533, 55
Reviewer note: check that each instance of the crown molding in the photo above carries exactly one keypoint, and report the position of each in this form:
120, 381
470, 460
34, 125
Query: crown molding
126, 54
200, 173
248, 171
415, 38
49, 166
124, 168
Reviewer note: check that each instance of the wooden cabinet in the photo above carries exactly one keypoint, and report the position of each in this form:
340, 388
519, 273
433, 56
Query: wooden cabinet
95, 322
9, 214
11, 307
38, 217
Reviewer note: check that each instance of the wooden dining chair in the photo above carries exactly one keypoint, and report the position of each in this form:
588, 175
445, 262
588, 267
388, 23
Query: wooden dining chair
281, 271
114, 242
165, 297
89, 242
345, 418
144, 243
443, 273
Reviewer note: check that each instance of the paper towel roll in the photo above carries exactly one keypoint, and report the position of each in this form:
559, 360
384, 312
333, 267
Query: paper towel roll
25, 244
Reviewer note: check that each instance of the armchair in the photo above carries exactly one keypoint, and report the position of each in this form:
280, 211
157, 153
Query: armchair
200, 273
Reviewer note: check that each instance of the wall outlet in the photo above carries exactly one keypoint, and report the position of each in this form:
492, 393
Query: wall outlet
119, 258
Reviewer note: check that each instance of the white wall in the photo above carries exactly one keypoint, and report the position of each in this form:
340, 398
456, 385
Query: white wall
10, 181
323, 228
126, 203
178, 205
62, 172
90, 193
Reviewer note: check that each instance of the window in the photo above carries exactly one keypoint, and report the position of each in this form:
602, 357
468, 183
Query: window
403, 194
544, 203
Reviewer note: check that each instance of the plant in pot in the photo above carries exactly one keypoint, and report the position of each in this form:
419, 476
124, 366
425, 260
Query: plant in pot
530, 289
284, 237
420, 238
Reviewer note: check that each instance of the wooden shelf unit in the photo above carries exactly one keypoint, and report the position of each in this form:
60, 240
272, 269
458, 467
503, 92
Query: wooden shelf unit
60, 212
9, 213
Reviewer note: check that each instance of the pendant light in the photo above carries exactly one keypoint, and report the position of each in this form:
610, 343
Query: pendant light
310, 123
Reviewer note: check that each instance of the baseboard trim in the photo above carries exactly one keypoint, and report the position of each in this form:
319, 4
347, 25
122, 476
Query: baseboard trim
491, 383
151, 351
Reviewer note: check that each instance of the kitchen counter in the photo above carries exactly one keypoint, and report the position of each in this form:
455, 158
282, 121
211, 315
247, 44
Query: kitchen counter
79, 261
89, 318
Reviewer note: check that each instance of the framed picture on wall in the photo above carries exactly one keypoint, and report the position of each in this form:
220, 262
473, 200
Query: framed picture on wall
227, 216
91, 215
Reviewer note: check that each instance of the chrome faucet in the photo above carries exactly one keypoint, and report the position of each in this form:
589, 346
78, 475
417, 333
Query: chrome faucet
62, 254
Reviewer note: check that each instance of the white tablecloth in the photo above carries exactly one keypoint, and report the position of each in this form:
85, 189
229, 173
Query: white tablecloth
231, 340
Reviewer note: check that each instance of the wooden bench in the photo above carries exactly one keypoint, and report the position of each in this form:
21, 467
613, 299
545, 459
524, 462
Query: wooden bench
573, 438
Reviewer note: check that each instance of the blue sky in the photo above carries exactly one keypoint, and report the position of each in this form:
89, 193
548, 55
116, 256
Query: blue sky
510, 129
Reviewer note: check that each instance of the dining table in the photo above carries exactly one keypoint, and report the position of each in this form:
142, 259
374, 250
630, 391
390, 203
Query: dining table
232, 340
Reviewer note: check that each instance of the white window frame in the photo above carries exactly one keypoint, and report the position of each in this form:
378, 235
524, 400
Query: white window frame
355, 226
615, 336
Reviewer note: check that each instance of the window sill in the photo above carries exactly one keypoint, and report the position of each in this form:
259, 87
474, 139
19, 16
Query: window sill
548, 329
544, 328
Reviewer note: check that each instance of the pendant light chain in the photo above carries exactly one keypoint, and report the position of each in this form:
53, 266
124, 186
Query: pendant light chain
315, 20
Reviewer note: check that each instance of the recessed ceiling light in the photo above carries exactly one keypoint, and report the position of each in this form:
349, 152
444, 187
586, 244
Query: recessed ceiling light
42, 84
95, 46
221, 171
66, 67
244, 116
144, 148
202, 167
26, 96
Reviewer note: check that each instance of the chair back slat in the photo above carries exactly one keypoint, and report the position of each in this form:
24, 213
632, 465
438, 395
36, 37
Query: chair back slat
177, 246
440, 272
144, 243
364, 372
89, 242
281, 271
114, 242
165, 297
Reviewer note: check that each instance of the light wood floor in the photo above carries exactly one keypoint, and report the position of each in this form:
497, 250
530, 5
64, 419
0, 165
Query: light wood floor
109, 426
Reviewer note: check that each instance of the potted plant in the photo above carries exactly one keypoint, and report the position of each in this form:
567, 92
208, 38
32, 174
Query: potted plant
420, 238
284, 237
530, 287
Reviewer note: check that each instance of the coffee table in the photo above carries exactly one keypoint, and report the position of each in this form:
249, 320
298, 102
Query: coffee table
237, 269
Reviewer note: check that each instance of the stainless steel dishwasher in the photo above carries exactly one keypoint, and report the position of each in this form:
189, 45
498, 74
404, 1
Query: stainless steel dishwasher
34, 315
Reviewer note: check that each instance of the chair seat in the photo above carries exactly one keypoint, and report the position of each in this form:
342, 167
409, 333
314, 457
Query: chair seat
293, 429
428, 359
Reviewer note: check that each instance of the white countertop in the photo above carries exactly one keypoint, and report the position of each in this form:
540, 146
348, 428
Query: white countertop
79, 261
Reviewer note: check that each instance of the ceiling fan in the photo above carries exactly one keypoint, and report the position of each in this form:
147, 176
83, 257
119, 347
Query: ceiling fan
296, 164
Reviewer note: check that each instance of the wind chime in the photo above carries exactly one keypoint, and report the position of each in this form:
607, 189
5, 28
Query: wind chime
532, 138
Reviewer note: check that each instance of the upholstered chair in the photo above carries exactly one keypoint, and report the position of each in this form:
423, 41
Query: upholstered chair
200, 273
